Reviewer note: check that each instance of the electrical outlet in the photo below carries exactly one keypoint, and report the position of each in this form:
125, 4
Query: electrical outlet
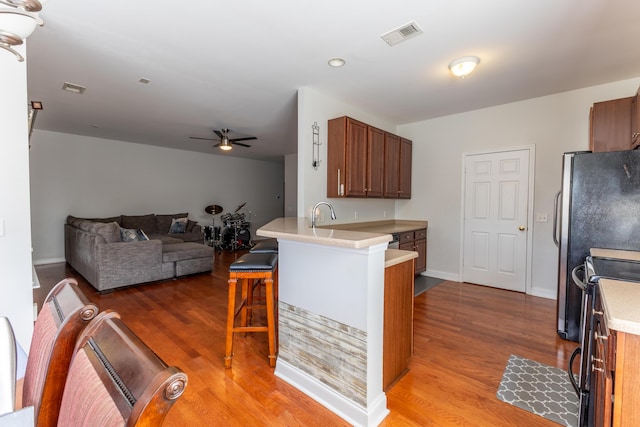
355, 215
541, 217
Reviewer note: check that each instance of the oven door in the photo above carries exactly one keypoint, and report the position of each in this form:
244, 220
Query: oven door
582, 381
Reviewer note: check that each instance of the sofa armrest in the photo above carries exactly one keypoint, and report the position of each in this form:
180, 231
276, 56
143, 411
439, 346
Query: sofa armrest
196, 229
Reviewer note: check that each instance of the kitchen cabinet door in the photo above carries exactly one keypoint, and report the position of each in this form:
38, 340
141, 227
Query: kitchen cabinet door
610, 125
398, 322
375, 162
346, 157
391, 165
406, 148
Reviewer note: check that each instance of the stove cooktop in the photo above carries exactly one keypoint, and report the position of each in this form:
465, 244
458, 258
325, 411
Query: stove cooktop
612, 268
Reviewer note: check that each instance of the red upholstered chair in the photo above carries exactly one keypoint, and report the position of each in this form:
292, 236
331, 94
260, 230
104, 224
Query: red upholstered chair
116, 380
66, 311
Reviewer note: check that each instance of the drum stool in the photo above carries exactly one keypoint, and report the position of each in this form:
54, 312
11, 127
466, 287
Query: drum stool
266, 246
252, 270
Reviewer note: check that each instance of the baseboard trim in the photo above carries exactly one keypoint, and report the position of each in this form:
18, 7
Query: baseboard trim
44, 261
442, 275
335, 402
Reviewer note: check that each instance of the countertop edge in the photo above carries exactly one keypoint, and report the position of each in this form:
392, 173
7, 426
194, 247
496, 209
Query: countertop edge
398, 256
620, 301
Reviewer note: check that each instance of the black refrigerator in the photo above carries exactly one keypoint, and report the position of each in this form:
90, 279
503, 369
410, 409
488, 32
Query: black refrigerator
597, 207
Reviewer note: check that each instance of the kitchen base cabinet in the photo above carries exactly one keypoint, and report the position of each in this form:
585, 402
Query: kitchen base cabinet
416, 240
398, 322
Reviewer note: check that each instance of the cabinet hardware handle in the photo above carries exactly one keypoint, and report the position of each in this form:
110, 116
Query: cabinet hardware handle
595, 359
339, 193
593, 368
598, 313
597, 336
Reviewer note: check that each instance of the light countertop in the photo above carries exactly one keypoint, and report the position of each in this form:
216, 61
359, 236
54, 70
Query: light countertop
299, 229
397, 256
384, 226
621, 304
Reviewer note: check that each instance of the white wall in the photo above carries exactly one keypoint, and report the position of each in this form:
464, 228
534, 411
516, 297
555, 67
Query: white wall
16, 292
291, 185
92, 177
312, 184
554, 124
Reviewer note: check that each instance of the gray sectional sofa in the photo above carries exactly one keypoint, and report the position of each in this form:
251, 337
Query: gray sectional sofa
114, 252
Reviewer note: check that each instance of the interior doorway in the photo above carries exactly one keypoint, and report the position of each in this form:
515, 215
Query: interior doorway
496, 222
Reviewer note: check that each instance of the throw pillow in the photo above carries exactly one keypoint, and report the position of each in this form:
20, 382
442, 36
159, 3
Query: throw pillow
178, 225
128, 235
141, 234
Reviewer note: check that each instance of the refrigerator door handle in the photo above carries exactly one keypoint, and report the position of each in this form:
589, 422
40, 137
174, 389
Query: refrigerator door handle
556, 205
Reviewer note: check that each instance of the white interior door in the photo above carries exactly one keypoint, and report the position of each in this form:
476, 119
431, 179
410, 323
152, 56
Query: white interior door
496, 194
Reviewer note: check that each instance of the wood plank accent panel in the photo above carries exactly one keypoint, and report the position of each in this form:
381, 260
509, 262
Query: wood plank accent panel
342, 353
463, 337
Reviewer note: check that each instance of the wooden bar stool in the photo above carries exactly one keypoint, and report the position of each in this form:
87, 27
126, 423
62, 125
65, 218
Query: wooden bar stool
252, 269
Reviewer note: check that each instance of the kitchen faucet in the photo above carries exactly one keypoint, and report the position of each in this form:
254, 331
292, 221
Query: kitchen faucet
313, 212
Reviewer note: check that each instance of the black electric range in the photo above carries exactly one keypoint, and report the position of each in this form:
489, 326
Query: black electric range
594, 269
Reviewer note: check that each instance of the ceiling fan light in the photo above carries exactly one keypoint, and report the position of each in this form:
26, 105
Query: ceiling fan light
15, 22
463, 66
225, 144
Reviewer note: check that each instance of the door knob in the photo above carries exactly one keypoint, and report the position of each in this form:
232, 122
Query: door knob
521, 228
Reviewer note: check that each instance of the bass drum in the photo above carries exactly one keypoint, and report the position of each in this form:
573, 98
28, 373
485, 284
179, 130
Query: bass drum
244, 237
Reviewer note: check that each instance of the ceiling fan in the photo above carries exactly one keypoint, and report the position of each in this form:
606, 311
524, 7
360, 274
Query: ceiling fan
226, 143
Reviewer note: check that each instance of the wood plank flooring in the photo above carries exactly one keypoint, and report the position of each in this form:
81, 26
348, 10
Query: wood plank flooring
463, 337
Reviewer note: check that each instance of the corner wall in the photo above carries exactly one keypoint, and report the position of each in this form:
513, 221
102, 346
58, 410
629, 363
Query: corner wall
16, 278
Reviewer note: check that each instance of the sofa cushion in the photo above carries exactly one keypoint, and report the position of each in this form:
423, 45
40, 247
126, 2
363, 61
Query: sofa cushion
166, 239
178, 225
109, 219
190, 225
110, 231
188, 250
163, 222
145, 222
129, 235
141, 235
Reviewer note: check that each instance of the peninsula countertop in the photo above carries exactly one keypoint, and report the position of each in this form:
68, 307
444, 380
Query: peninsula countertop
383, 226
299, 229
620, 301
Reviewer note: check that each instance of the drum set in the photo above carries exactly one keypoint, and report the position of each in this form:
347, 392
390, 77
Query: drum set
236, 233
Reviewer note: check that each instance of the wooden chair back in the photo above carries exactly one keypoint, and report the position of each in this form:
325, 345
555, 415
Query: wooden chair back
64, 314
116, 379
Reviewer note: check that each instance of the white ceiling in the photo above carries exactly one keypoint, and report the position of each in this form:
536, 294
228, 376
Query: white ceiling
238, 64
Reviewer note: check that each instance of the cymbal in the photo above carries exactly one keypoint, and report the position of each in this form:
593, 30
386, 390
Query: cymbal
213, 209
240, 207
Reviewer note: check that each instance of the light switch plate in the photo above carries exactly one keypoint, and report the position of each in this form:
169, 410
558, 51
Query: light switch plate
541, 217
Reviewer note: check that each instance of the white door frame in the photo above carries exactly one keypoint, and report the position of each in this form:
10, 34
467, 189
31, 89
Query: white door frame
530, 219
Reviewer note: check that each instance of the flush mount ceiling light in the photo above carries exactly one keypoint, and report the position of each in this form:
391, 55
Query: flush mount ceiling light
463, 66
336, 62
17, 22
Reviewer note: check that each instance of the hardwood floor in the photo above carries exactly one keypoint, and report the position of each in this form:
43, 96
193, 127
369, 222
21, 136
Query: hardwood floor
463, 336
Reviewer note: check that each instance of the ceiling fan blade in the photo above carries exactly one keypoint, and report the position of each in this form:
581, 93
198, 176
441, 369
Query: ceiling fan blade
217, 132
242, 139
241, 144
206, 139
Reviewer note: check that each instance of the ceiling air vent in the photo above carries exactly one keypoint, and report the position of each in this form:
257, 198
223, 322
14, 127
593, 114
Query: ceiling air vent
401, 34
73, 88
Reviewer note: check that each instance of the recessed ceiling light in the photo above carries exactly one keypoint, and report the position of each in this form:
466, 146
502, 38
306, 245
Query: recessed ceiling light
464, 66
336, 62
144, 81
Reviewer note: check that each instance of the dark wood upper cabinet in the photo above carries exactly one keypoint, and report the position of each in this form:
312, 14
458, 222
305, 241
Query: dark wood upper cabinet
391, 165
364, 161
406, 154
611, 125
